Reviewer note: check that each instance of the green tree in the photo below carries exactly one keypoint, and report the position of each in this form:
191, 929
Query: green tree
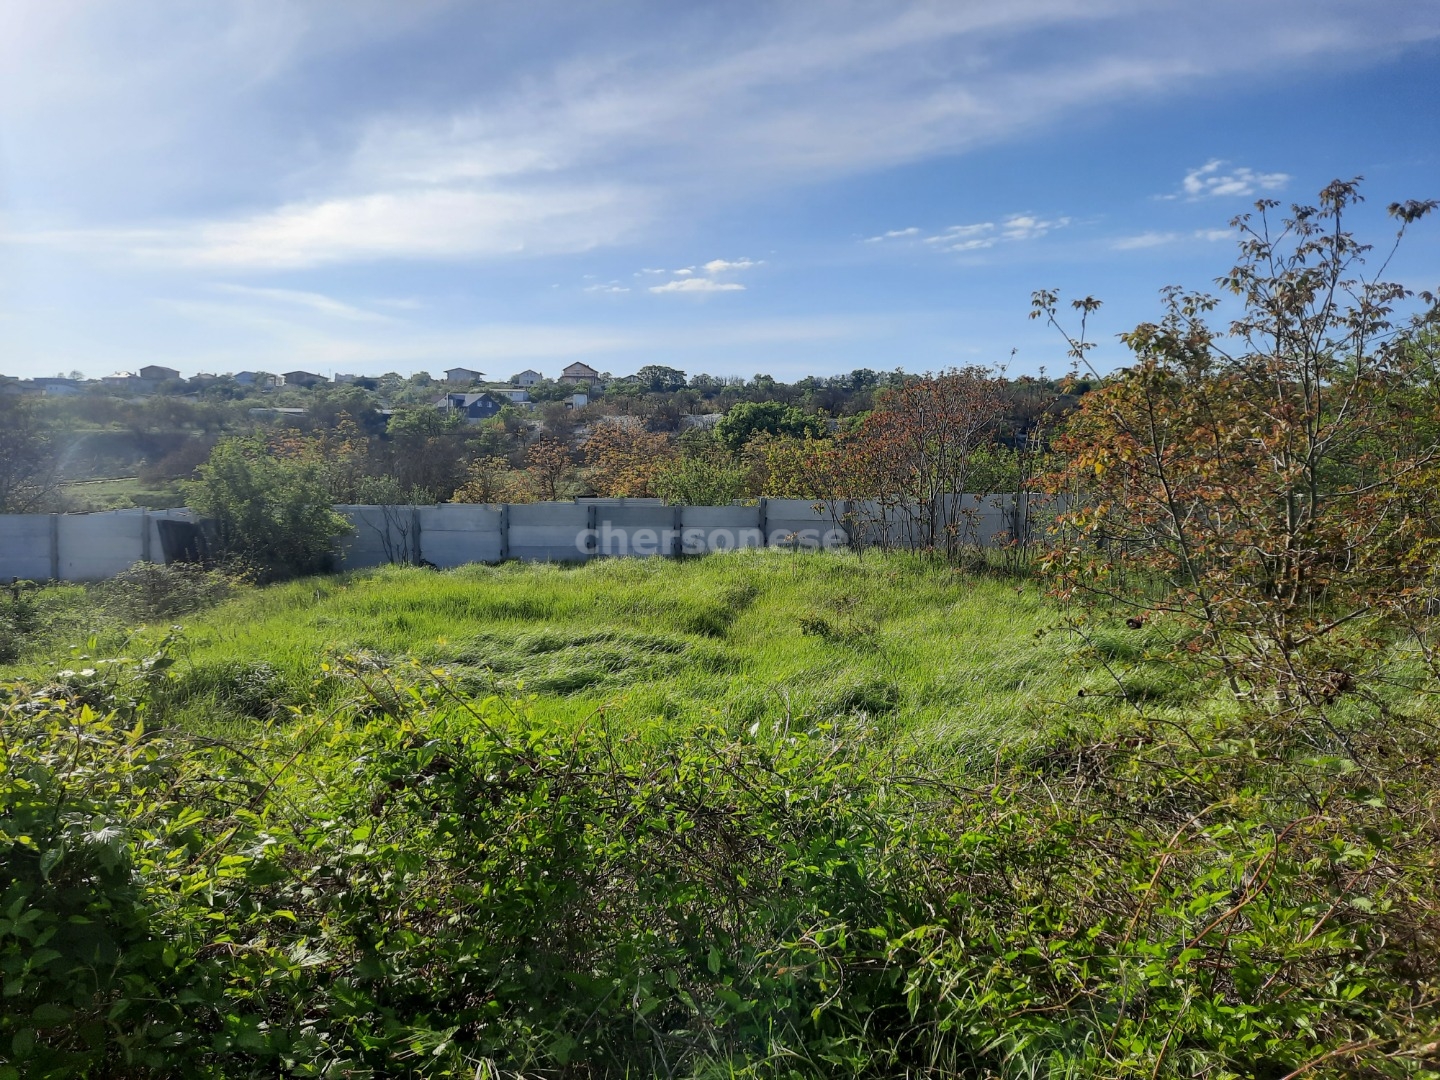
271, 512
29, 465
659, 379
750, 418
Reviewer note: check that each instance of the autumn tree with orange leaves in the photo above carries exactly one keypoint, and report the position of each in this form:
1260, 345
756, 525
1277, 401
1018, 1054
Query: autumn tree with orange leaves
625, 460
1270, 489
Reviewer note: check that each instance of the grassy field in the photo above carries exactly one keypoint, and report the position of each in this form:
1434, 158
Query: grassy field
754, 815
924, 653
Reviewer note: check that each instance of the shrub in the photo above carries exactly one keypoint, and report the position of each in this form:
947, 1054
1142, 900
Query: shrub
271, 512
428, 885
150, 591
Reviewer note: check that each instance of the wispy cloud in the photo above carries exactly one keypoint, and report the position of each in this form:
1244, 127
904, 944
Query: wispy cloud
720, 266
697, 285
1156, 239
587, 144
1144, 240
893, 234
980, 235
607, 287
313, 301
1212, 180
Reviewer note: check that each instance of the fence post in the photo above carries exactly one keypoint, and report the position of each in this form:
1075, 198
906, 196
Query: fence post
415, 531
504, 531
675, 537
145, 536
593, 543
54, 547
764, 519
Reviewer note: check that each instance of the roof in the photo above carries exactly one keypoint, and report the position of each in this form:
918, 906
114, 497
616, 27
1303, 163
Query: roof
579, 368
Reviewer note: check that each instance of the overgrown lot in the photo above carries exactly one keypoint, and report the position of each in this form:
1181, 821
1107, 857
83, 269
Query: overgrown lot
750, 815
944, 659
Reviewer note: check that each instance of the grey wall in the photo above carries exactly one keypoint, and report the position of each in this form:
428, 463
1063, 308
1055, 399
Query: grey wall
79, 547
89, 547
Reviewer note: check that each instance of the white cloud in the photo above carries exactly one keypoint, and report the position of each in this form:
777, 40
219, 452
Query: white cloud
986, 234
1144, 240
584, 142
893, 234
1209, 182
1213, 234
1029, 227
964, 234
697, 285
611, 287
721, 266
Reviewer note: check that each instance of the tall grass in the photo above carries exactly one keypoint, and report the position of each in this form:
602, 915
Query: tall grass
954, 662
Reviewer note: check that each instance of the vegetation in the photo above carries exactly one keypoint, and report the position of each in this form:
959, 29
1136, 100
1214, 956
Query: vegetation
29, 470
470, 867
273, 514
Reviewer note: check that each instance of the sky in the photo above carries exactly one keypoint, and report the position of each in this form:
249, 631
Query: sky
797, 187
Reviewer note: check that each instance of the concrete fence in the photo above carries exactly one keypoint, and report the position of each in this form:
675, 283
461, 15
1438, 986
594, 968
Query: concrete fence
90, 547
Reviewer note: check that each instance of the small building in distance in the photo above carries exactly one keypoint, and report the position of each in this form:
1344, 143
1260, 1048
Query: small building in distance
577, 401
121, 379
513, 396
157, 373
578, 373
262, 379
473, 407
464, 375
527, 378
303, 378
57, 385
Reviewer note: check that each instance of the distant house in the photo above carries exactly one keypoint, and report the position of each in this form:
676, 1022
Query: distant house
473, 407
515, 397
156, 373
528, 377
56, 385
304, 378
262, 379
463, 375
578, 373
577, 401
121, 378
344, 380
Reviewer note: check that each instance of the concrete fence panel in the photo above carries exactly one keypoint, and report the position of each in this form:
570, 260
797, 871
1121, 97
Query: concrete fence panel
25, 546
459, 533
89, 547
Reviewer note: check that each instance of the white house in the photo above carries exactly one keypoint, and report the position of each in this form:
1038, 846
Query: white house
528, 377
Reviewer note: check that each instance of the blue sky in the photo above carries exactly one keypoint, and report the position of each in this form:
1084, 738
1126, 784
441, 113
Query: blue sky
739, 187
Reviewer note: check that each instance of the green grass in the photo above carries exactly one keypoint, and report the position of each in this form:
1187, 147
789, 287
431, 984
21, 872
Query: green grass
123, 493
916, 650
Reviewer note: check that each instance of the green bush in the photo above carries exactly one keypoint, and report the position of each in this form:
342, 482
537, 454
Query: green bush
424, 884
271, 513
150, 591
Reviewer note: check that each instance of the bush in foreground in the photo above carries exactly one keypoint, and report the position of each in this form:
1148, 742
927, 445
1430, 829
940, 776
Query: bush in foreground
421, 884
